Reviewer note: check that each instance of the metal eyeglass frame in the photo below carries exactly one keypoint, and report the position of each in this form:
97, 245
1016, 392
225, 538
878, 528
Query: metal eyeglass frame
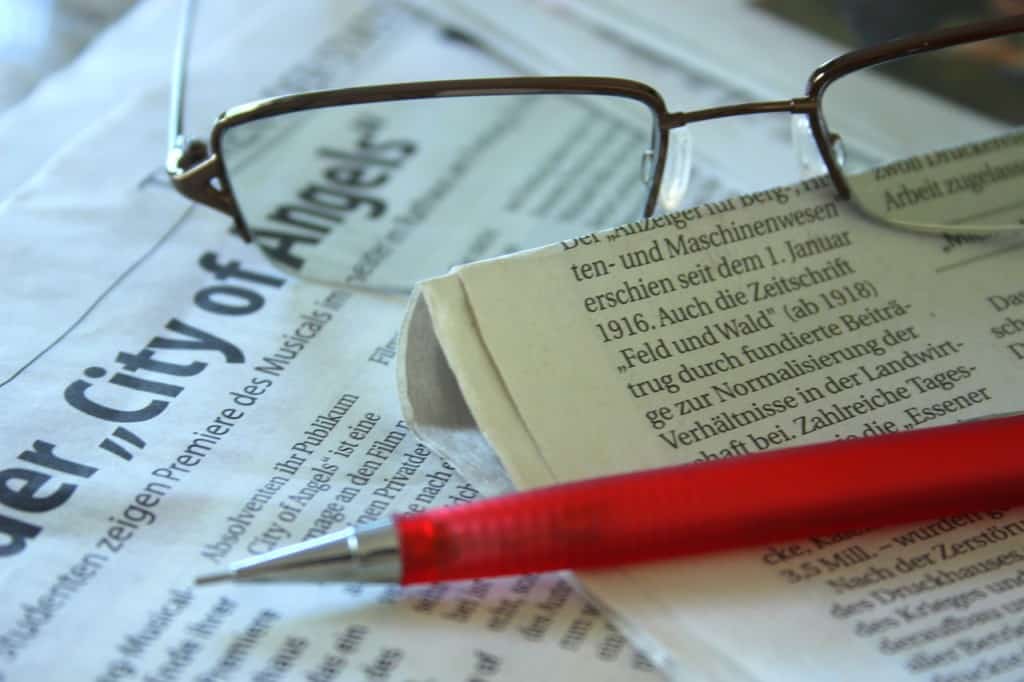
197, 172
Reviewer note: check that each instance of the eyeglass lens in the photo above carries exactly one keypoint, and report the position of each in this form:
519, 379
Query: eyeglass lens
960, 166
386, 193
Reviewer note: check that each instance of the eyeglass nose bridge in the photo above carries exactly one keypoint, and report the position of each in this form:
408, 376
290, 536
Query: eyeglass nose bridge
798, 105
807, 106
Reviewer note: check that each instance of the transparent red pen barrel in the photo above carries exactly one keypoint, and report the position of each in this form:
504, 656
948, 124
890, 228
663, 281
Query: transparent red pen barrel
655, 514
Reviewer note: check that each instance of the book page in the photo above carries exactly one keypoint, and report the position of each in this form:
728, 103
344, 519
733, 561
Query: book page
172, 402
769, 319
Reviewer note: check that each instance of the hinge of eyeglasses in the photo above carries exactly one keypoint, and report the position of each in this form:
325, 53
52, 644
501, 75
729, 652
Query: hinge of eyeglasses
197, 176
194, 153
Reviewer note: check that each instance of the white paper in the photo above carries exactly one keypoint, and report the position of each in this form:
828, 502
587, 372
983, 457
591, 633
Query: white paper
776, 62
544, 39
71, 101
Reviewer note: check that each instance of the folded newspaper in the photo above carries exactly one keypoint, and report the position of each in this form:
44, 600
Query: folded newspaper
769, 319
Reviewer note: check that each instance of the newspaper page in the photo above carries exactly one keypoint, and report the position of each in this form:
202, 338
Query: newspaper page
136, 48
175, 403
687, 51
769, 319
550, 39
783, 42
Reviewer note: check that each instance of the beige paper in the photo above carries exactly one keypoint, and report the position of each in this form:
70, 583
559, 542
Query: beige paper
771, 319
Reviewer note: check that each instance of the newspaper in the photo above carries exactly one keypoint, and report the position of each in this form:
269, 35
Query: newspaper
172, 403
553, 39
136, 49
779, 57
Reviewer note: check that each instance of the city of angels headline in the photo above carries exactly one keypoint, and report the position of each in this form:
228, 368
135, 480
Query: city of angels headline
44, 476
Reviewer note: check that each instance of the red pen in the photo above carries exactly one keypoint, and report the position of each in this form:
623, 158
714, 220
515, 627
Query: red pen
799, 492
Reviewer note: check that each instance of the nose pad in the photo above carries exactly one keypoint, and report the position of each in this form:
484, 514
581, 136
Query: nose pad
807, 155
838, 150
675, 177
647, 166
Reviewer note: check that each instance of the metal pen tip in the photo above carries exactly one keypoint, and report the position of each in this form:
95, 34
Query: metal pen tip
369, 554
217, 577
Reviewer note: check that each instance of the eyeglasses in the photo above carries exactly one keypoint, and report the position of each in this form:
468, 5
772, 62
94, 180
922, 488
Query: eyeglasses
377, 187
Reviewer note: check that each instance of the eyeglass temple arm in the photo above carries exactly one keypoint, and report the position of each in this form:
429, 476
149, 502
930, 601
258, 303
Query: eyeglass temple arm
176, 140
188, 163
